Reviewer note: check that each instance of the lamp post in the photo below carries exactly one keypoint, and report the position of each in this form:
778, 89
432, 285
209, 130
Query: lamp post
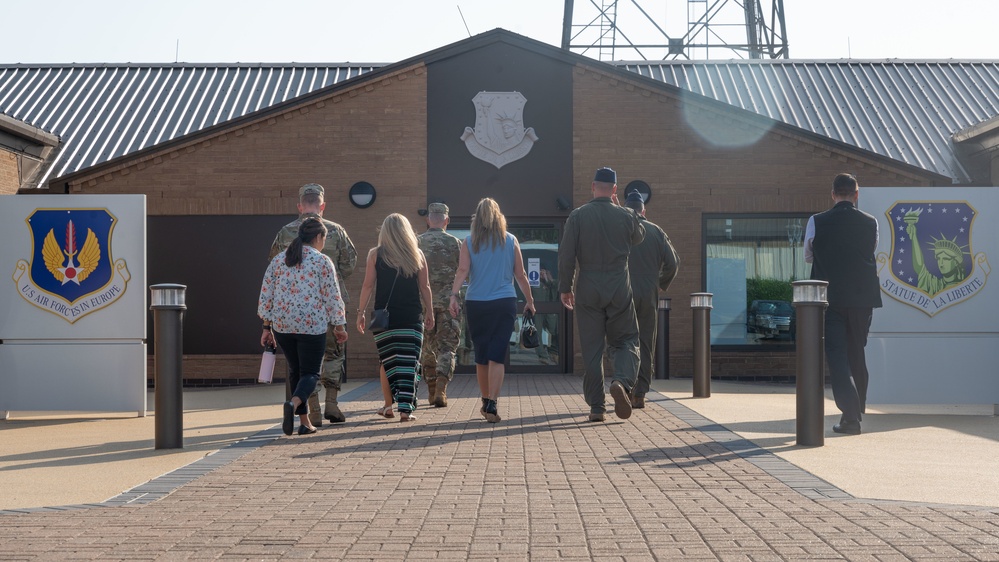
167, 302
701, 305
810, 302
662, 339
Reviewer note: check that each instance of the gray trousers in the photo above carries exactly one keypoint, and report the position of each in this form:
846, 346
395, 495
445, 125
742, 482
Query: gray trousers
605, 317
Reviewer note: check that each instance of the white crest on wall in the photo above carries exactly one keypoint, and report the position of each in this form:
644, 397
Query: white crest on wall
499, 136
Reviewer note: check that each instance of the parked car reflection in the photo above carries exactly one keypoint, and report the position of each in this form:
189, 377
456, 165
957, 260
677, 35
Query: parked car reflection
770, 319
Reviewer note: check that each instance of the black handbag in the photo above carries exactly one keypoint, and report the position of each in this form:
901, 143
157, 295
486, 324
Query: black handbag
529, 336
380, 316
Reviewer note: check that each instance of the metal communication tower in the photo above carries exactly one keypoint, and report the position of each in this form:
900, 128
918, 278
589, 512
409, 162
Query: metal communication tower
659, 29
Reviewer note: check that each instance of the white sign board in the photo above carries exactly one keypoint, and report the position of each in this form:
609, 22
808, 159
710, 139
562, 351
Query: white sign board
534, 271
936, 340
73, 302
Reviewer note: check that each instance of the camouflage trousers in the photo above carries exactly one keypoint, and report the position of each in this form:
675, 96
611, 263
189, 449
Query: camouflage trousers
333, 361
439, 345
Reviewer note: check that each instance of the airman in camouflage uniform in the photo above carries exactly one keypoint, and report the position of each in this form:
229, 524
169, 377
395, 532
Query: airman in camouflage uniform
339, 248
440, 342
652, 266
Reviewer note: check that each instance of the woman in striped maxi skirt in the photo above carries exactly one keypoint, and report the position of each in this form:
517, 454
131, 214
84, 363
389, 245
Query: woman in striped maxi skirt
396, 273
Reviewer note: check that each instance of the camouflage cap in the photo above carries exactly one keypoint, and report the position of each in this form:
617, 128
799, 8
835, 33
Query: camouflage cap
437, 208
310, 188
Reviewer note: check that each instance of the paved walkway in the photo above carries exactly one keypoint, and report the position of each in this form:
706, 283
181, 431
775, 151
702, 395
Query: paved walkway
543, 484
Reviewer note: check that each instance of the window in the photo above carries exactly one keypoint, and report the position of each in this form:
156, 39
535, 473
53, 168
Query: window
750, 262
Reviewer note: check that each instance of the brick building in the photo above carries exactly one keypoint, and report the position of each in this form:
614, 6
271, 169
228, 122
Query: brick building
730, 185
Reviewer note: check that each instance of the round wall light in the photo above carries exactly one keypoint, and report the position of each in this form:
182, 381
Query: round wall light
362, 195
641, 187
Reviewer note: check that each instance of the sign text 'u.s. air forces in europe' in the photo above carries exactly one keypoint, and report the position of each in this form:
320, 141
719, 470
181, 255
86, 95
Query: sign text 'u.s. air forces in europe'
71, 273
932, 266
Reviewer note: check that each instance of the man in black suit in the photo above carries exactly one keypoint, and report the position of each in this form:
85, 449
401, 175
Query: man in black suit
840, 245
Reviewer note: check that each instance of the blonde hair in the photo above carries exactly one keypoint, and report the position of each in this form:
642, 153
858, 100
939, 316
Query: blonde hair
397, 245
488, 225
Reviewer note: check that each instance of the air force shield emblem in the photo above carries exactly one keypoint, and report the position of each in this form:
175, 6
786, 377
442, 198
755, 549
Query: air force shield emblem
71, 273
931, 266
499, 136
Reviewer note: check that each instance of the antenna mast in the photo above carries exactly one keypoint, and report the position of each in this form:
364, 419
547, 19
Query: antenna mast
689, 29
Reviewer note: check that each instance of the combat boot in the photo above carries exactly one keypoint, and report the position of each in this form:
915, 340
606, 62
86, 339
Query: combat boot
431, 390
315, 413
440, 397
333, 412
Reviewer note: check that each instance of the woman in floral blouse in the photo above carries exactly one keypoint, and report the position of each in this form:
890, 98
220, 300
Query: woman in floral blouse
299, 297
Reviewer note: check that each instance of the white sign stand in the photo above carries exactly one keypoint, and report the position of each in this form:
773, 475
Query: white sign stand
73, 303
935, 341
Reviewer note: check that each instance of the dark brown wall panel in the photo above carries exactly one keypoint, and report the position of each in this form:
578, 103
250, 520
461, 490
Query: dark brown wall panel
526, 187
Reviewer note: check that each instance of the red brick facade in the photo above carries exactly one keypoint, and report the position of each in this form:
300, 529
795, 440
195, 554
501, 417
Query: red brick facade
10, 178
375, 131
643, 133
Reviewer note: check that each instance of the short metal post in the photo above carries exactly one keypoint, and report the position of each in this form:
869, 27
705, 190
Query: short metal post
701, 305
167, 304
662, 340
810, 310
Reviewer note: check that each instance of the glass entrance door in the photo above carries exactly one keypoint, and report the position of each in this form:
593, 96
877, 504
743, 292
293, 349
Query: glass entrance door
539, 249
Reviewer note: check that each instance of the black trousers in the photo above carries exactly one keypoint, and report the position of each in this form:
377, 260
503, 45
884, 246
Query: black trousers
304, 353
846, 337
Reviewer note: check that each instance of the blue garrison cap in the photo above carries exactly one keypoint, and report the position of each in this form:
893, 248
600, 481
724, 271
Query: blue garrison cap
605, 175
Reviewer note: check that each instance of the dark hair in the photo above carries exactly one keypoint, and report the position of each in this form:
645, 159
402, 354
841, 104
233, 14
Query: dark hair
307, 232
844, 185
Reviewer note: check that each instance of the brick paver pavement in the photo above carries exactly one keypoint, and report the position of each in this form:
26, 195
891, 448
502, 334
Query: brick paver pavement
543, 484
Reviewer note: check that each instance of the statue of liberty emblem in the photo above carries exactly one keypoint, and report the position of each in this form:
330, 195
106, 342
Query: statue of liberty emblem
499, 136
931, 266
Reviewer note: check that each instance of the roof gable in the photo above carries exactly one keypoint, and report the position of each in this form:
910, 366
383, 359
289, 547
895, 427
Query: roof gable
903, 110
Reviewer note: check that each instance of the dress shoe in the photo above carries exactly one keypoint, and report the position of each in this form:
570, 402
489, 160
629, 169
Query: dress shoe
288, 423
305, 430
622, 404
596, 417
847, 428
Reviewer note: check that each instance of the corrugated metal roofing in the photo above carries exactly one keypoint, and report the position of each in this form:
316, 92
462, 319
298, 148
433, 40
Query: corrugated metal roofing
104, 111
905, 110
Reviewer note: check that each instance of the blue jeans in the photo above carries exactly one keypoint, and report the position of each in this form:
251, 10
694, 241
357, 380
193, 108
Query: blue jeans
304, 353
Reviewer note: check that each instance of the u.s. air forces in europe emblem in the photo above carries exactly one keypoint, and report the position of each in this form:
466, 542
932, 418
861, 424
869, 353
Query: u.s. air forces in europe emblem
71, 273
931, 266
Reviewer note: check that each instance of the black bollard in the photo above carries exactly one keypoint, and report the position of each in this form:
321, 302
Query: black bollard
662, 340
810, 304
701, 305
167, 304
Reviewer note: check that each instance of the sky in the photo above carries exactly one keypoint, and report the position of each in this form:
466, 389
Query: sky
385, 31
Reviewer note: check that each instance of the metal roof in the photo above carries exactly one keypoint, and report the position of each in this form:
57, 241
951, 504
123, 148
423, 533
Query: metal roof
906, 110
104, 111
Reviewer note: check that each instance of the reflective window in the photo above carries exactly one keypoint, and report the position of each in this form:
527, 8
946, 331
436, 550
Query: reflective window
539, 249
750, 262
